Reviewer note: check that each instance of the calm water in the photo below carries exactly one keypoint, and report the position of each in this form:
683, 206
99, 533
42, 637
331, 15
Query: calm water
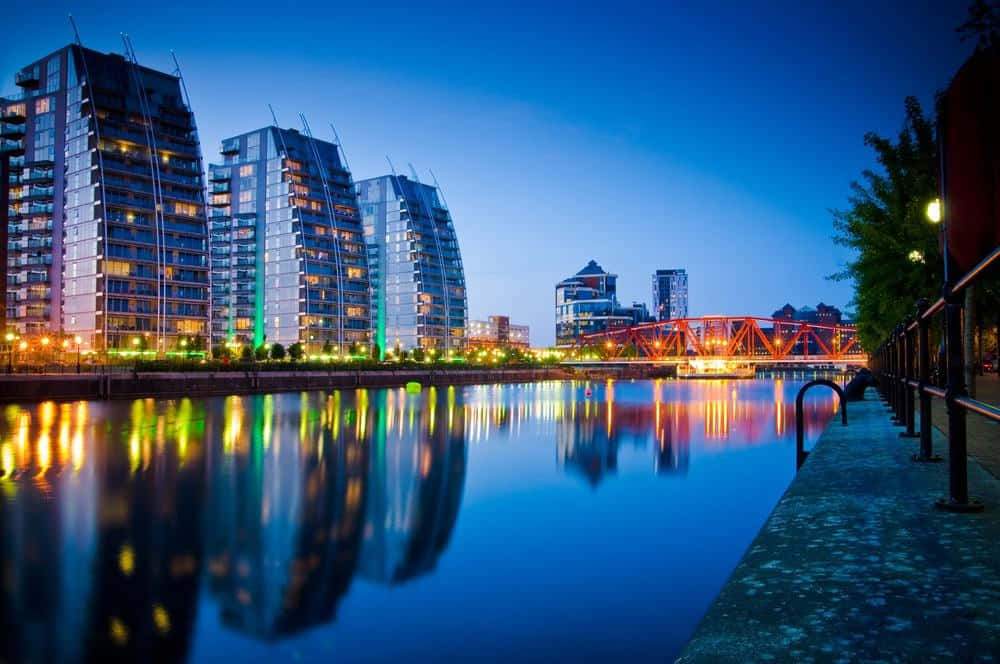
522, 522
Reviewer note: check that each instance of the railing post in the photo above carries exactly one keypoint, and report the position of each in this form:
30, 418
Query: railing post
897, 378
908, 401
924, 362
958, 476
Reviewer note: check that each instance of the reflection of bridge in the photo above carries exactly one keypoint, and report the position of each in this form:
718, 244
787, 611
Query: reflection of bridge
732, 339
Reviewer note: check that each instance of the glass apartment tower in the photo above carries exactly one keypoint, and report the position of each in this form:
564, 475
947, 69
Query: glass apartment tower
103, 204
418, 283
670, 294
586, 303
288, 257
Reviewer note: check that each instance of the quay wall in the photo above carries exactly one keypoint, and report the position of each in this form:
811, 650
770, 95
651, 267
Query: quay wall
28, 388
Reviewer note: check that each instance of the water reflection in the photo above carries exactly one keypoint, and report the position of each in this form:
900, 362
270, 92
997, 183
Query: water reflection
119, 520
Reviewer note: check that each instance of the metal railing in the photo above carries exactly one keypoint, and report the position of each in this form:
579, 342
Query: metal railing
800, 434
903, 366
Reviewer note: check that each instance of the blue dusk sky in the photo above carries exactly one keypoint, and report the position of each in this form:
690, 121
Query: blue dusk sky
708, 136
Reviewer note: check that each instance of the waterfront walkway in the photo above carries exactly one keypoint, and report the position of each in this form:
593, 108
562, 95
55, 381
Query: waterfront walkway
855, 564
983, 434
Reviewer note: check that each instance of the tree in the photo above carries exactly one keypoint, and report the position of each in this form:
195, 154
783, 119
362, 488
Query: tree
246, 353
327, 348
295, 352
898, 258
983, 24
261, 352
277, 352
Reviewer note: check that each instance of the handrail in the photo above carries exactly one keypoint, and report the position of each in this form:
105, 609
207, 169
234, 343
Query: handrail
800, 453
900, 381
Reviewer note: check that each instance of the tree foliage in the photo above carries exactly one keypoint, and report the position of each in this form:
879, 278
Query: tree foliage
898, 257
983, 24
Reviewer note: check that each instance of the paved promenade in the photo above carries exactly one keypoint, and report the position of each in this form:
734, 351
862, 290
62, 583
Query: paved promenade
856, 565
983, 435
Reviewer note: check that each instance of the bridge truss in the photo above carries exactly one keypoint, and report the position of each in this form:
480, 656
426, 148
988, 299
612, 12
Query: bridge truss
735, 339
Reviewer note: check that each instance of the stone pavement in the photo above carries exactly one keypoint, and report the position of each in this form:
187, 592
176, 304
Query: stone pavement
983, 435
855, 564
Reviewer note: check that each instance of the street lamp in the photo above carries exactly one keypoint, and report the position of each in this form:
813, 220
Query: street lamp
10, 350
78, 340
934, 211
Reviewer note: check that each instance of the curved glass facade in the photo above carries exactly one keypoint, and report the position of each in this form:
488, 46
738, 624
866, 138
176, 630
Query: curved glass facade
107, 210
288, 258
418, 282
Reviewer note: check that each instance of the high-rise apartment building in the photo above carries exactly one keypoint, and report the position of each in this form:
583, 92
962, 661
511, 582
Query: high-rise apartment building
288, 256
587, 302
670, 294
417, 279
103, 204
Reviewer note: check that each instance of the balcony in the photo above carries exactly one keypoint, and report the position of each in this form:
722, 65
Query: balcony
28, 78
232, 146
219, 188
38, 176
11, 130
15, 148
13, 114
220, 174
40, 192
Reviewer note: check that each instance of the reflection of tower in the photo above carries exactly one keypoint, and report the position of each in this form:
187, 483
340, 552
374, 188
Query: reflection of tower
415, 489
586, 442
673, 449
106, 567
285, 521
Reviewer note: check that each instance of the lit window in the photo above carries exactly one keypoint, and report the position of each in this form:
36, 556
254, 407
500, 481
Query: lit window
116, 268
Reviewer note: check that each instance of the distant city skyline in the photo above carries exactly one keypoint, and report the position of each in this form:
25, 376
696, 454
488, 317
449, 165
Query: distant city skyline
711, 139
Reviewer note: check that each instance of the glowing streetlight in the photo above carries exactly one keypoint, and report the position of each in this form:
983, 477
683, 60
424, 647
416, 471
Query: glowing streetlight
135, 341
916, 256
77, 340
934, 211
45, 341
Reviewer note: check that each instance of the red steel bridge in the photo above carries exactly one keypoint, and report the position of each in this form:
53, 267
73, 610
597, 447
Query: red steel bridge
746, 339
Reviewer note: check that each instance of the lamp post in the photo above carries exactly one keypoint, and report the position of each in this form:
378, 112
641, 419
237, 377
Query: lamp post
10, 351
78, 340
45, 347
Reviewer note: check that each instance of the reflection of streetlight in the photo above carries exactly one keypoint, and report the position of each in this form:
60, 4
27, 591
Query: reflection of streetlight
934, 211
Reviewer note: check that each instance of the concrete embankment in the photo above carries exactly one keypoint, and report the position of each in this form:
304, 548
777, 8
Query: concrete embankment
856, 565
25, 388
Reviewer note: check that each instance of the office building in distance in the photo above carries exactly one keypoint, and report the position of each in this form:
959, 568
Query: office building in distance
497, 332
670, 294
288, 257
418, 295
102, 205
587, 302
